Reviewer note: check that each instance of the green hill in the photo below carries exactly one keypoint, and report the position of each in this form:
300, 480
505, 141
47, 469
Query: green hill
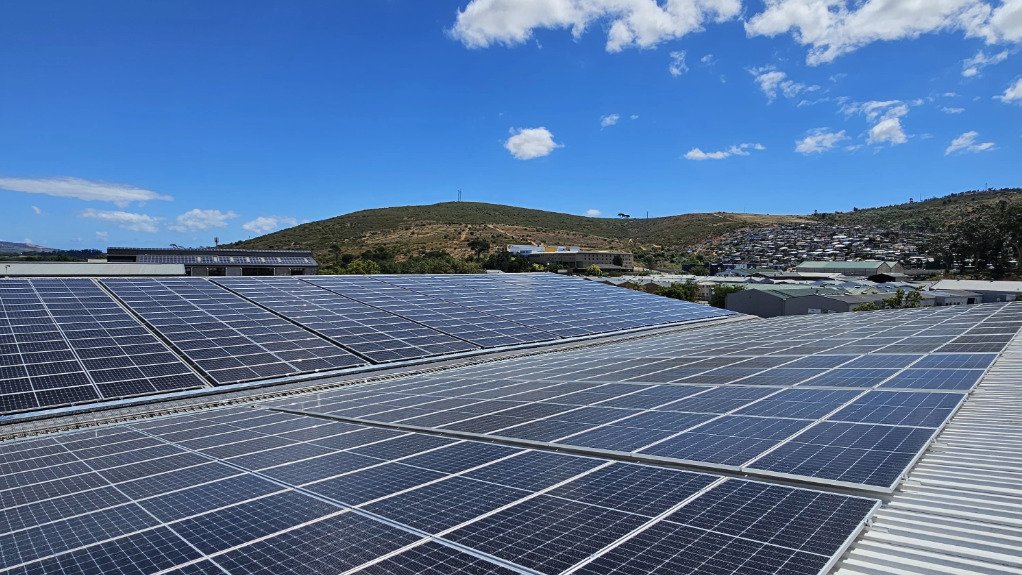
411, 230
449, 225
928, 215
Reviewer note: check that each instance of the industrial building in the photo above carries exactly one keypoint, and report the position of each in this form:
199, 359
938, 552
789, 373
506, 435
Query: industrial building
88, 269
222, 261
989, 291
861, 268
575, 258
467, 425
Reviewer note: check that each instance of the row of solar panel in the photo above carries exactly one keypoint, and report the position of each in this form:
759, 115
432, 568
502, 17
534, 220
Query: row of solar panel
66, 341
849, 419
251, 491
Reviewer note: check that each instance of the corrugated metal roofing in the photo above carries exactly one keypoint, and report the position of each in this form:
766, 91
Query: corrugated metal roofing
960, 509
83, 269
979, 285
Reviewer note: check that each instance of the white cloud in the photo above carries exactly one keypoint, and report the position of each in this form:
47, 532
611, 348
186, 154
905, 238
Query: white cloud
772, 81
38, 211
972, 66
832, 28
819, 140
127, 220
629, 23
530, 143
119, 194
102, 235
677, 66
739, 150
888, 130
708, 60
966, 143
1006, 22
264, 224
197, 220
950, 110
609, 120
593, 213
634, 117
1012, 93
886, 116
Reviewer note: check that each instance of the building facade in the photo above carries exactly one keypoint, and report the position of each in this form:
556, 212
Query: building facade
223, 262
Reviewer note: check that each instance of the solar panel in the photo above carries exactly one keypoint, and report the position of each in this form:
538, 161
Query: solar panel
450, 507
370, 332
721, 416
230, 339
65, 341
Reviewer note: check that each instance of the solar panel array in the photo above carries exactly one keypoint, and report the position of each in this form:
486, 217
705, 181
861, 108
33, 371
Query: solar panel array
65, 341
372, 333
236, 330
226, 260
229, 338
849, 401
246, 491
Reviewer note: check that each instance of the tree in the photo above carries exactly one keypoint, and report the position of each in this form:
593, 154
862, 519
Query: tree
336, 250
687, 291
479, 246
618, 261
362, 267
913, 299
699, 271
594, 270
719, 293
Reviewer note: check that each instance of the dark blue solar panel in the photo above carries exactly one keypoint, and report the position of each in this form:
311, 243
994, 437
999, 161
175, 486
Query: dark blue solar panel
875, 455
228, 337
935, 378
901, 408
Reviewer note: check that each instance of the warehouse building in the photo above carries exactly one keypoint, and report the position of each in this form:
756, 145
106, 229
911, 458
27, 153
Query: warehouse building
989, 291
223, 262
863, 268
580, 260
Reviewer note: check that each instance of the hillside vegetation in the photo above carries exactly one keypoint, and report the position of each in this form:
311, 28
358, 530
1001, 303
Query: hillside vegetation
448, 226
407, 231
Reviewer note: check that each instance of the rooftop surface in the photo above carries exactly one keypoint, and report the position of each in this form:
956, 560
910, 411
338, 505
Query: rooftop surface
741, 444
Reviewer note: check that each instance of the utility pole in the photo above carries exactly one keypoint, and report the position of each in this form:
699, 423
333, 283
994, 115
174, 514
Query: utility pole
459, 194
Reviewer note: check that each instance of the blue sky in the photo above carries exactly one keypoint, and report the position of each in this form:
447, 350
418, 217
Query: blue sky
173, 122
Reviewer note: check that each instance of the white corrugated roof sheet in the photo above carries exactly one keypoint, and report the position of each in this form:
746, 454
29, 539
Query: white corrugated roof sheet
960, 509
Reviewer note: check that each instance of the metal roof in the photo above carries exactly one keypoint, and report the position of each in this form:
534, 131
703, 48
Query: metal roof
843, 265
83, 269
979, 285
960, 509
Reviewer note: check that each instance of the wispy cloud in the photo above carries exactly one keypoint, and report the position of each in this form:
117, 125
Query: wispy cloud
772, 82
819, 140
677, 66
197, 220
127, 220
1012, 94
966, 143
609, 120
739, 150
119, 194
38, 211
264, 224
973, 66
593, 213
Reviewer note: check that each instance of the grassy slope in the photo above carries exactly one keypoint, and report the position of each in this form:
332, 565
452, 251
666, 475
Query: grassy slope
447, 226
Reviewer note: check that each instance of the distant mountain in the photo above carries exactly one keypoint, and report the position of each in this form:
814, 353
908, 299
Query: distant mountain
20, 248
410, 230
